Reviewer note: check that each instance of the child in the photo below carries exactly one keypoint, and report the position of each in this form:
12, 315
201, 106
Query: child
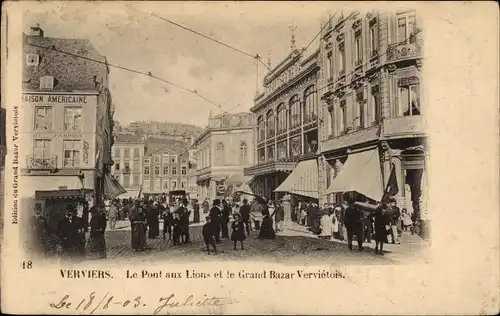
177, 229
407, 222
238, 233
208, 235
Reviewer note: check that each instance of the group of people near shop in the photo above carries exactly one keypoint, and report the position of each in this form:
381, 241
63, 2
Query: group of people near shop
348, 219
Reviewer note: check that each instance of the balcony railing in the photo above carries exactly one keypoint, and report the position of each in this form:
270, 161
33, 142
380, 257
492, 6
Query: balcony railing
41, 163
411, 49
70, 162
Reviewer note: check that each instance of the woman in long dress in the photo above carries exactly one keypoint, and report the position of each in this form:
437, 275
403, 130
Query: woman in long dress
326, 223
138, 223
96, 248
381, 223
266, 229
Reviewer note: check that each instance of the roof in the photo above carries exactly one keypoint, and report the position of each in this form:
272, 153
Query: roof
165, 145
128, 138
70, 72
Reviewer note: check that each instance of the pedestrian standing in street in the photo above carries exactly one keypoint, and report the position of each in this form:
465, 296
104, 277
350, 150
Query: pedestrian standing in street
153, 220
279, 216
208, 235
245, 215
342, 228
71, 234
238, 233
206, 206
184, 217
394, 218
226, 212
327, 223
354, 225
167, 222
113, 215
138, 224
196, 211
381, 222
336, 222
39, 233
266, 229
215, 216
406, 219
176, 229
367, 227
96, 248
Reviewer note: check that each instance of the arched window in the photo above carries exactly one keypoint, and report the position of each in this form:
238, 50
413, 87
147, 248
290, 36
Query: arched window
310, 104
243, 153
270, 123
294, 111
220, 154
281, 118
260, 128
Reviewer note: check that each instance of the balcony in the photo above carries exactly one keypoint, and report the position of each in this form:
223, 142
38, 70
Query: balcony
349, 138
71, 163
404, 126
41, 163
409, 50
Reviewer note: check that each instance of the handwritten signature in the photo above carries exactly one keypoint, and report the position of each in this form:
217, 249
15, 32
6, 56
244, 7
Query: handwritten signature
95, 302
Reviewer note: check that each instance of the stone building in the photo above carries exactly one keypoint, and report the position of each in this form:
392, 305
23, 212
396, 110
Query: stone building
66, 128
223, 150
371, 116
128, 156
287, 128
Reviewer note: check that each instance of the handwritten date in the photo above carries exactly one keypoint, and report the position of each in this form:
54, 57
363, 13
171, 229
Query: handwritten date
95, 302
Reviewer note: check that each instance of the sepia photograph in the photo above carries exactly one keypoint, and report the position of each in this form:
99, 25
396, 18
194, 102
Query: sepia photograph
234, 140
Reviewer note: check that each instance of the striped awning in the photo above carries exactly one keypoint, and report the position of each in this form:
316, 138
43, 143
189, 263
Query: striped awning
303, 180
112, 188
361, 173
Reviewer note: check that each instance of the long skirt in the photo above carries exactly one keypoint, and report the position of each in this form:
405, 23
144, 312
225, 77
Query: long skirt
266, 230
138, 236
96, 247
154, 229
327, 226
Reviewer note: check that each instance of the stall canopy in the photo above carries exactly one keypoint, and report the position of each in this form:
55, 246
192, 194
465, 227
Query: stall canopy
361, 173
303, 180
112, 188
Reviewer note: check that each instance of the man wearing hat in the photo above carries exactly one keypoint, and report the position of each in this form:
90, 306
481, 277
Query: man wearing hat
71, 233
395, 213
215, 216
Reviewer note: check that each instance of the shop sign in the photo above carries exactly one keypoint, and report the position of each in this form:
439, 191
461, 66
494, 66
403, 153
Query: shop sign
404, 125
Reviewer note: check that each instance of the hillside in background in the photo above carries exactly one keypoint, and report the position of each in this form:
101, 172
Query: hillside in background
160, 128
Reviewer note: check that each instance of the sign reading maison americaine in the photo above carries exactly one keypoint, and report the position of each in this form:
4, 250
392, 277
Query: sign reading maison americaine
34, 98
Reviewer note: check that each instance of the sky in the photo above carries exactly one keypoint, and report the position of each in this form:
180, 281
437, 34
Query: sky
128, 35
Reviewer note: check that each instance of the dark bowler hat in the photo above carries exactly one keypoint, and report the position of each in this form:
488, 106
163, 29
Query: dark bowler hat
217, 202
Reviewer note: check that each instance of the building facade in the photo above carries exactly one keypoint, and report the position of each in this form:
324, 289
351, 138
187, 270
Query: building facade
223, 150
371, 116
66, 131
128, 156
287, 122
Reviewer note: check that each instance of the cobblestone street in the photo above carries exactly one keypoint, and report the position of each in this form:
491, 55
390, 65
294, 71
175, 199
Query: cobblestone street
293, 246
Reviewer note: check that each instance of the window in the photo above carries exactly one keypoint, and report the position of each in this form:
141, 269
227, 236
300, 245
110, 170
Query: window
126, 153
341, 59
294, 111
165, 159
310, 106
184, 170
331, 121
343, 116
117, 153
281, 118
174, 184
137, 166
183, 184
375, 104
220, 154
158, 184
329, 66
147, 161
295, 146
174, 171
184, 160
32, 59
260, 128
165, 185
126, 181
270, 123
42, 148
117, 166
147, 171
270, 153
135, 181
127, 167
72, 150
361, 109
409, 96
157, 170
73, 119
358, 49
373, 39
136, 153
406, 28
165, 170
261, 153
174, 159
157, 159
243, 153
47, 83
282, 154
44, 119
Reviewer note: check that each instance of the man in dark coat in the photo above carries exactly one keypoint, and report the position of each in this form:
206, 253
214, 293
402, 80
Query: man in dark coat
215, 216
184, 217
71, 234
153, 220
40, 233
353, 222
226, 212
245, 215
394, 214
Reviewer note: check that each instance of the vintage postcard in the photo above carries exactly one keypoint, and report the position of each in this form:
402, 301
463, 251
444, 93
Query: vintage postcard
249, 158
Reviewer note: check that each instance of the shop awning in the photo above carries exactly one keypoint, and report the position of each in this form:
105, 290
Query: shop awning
62, 194
361, 173
303, 180
237, 179
112, 188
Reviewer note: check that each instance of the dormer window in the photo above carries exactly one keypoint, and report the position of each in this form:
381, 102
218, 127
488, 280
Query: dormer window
47, 83
32, 59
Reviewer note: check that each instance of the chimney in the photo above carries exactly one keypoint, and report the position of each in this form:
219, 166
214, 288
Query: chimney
36, 30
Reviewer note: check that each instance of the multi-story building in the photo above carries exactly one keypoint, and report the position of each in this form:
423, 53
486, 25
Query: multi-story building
287, 128
371, 116
223, 150
128, 156
66, 128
